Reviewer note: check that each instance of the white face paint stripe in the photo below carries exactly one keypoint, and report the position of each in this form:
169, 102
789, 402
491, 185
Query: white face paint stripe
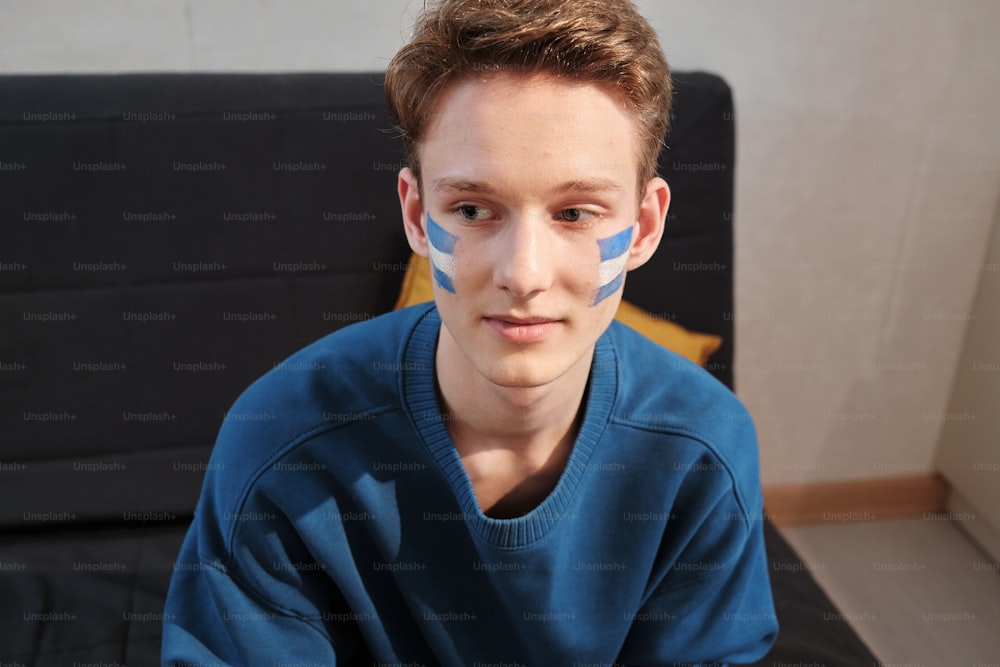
610, 269
442, 248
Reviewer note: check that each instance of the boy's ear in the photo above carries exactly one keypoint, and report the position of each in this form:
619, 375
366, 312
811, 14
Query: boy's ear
651, 220
413, 211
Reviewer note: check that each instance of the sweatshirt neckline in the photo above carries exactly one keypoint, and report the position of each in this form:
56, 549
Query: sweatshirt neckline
420, 397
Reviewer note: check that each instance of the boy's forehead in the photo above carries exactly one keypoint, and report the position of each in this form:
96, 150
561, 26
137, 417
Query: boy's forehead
540, 97
517, 116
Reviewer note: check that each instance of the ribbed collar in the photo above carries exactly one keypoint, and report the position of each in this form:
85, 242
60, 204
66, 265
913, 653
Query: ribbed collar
418, 387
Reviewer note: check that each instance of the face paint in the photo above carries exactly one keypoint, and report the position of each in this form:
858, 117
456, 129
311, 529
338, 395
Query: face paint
442, 251
614, 255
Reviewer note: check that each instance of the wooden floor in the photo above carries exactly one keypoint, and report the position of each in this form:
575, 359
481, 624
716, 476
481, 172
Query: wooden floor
917, 590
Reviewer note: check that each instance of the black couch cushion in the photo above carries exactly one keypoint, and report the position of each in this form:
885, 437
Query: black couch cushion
181, 234
170, 237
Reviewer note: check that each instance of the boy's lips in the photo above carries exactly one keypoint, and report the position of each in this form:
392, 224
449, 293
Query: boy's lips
514, 319
521, 329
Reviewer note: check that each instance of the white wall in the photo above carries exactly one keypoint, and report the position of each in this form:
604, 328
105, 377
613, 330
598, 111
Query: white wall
969, 454
869, 167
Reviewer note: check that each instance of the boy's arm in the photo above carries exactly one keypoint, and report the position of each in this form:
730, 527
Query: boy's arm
213, 616
211, 619
245, 588
713, 604
726, 615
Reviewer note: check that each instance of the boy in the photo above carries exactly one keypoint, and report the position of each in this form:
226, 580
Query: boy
532, 484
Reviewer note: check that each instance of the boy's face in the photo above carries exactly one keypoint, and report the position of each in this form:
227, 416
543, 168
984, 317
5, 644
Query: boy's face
530, 218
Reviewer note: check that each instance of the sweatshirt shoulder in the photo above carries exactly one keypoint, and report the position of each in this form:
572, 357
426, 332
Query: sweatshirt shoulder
649, 369
357, 364
660, 390
348, 376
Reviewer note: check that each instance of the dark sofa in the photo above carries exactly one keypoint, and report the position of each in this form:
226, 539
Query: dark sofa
166, 239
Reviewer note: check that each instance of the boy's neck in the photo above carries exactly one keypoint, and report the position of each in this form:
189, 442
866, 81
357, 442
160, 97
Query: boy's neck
513, 442
513, 418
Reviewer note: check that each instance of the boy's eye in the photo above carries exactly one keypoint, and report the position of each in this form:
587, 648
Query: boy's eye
470, 212
572, 214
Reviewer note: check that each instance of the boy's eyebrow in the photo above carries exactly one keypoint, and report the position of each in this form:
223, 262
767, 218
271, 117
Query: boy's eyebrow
589, 185
462, 185
585, 185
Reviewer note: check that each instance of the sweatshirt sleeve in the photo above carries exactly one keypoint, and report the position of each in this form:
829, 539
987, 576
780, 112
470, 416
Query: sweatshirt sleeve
212, 618
710, 601
245, 589
239, 596
714, 605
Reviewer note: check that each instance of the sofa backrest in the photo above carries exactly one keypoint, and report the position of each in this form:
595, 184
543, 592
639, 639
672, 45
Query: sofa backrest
167, 238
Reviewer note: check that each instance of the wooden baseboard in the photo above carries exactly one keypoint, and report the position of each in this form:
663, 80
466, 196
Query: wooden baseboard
855, 500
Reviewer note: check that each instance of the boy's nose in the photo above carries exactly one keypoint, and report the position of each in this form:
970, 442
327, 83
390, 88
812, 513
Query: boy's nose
525, 264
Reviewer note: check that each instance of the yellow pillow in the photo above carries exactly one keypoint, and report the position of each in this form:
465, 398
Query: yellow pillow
697, 347
694, 345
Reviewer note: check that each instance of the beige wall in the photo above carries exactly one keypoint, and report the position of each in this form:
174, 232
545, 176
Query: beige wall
969, 453
868, 170
869, 166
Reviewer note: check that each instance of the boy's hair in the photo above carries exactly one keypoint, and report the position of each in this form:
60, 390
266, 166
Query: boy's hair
603, 42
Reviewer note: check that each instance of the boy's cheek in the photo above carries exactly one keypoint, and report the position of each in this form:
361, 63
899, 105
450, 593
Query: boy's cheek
613, 255
441, 248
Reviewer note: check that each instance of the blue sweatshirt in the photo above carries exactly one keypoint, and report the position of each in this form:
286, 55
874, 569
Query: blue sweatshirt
337, 525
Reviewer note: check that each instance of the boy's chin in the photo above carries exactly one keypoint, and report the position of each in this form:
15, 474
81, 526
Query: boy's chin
527, 372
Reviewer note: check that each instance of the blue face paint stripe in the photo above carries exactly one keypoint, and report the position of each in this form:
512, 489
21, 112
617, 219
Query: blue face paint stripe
442, 247
613, 259
443, 280
613, 246
439, 237
607, 290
